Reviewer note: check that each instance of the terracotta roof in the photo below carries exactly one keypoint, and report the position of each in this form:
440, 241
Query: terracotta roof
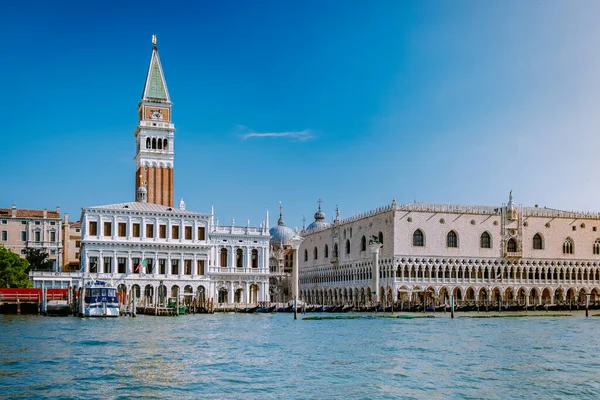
21, 213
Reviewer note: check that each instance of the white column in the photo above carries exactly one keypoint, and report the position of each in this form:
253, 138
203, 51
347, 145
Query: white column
375, 270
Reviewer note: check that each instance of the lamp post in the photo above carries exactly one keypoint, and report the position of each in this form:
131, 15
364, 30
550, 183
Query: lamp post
295, 242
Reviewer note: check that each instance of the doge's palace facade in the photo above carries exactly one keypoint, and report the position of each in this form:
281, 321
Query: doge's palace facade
480, 254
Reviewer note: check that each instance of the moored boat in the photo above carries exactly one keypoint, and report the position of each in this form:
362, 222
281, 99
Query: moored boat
100, 300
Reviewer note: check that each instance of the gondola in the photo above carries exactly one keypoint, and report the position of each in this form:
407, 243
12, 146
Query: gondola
247, 310
266, 309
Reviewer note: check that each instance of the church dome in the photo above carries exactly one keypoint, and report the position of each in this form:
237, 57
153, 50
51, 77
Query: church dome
319, 222
280, 234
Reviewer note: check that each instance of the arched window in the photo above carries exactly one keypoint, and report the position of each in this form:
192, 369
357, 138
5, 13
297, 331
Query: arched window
165, 144
316, 253
486, 241
511, 245
538, 244
568, 246
154, 143
335, 251
418, 238
326, 251
254, 256
597, 247
363, 244
305, 254
380, 237
148, 144
348, 246
452, 239
239, 258
223, 257
160, 144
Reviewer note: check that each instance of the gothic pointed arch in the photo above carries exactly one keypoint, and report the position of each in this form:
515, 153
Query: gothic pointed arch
418, 238
511, 245
452, 239
485, 240
538, 241
568, 246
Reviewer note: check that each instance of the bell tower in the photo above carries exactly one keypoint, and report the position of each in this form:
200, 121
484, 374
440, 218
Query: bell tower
154, 137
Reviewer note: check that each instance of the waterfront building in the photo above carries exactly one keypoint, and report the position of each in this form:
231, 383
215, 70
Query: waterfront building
71, 234
428, 252
155, 250
281, 261
41, 229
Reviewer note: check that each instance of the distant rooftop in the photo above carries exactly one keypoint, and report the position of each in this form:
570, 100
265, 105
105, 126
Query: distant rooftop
23, 213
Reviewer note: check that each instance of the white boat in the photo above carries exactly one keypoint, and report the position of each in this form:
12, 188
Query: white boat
100, 300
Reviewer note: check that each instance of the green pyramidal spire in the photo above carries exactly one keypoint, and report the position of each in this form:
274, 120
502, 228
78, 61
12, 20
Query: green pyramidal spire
156, 87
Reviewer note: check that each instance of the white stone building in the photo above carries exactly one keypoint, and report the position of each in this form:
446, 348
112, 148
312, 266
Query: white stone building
479, 254
154, 250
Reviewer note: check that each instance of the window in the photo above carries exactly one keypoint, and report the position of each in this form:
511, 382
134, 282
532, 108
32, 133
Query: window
363, 244
121, 265
574, 228
188, 233
486, 241
122, 229
162, 266
108, 265
52, 252
24, 222
52, 222
187, 267
93, 228
162, 231
136, 265
78, 243
223, 257
418, 238
37, 222
452, 239
239, 258
597, 247
23, 236
380, 237
107, 228
77, 256
326, 252
568, 246
335, 250
23, 251
200, 267
77, 230
149, 266
4, 222
4, 236
136, 230
254, 258
537, 242
511, 245
175, 232
93, 264
149, 230
52, 236
201, 233
175, 267
36, 236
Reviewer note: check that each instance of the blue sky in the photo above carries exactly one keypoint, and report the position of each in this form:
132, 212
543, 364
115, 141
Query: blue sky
447, 102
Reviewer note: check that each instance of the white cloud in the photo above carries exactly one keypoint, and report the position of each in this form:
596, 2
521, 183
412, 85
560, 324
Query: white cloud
298, 136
